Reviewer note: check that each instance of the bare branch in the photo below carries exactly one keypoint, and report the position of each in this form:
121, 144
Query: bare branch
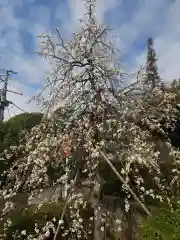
122, 180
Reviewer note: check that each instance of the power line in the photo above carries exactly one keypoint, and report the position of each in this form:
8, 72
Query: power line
4, 103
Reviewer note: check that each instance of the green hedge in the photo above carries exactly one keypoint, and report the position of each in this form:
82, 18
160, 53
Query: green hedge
162, 225
15, 125
27, 219
10, 131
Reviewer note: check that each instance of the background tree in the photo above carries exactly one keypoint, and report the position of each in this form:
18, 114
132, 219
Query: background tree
163, 224
152, 75
12, 129
11, 132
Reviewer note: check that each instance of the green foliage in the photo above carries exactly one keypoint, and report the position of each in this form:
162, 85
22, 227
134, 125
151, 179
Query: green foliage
39, 216
151, 66
25, 120
162, 225
11, 130
27, 219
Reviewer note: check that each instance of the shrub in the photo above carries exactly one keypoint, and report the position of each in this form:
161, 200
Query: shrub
29, 218
164, 224
37, 217
10, 131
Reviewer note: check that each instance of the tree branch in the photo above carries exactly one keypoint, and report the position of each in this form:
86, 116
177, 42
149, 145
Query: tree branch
122, 180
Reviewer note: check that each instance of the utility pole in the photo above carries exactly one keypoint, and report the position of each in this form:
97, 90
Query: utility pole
4, 103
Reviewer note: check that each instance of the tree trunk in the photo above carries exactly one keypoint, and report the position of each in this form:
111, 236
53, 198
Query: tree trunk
97, 224
95, 200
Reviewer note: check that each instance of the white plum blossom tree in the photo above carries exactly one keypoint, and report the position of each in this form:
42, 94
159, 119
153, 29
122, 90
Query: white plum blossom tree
104, 120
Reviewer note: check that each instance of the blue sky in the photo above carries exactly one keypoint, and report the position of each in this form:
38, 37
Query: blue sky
132, 21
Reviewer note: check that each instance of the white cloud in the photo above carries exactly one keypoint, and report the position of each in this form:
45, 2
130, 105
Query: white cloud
103, 6
19, 101
7, 18
159, 19
30, 67
78, 10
